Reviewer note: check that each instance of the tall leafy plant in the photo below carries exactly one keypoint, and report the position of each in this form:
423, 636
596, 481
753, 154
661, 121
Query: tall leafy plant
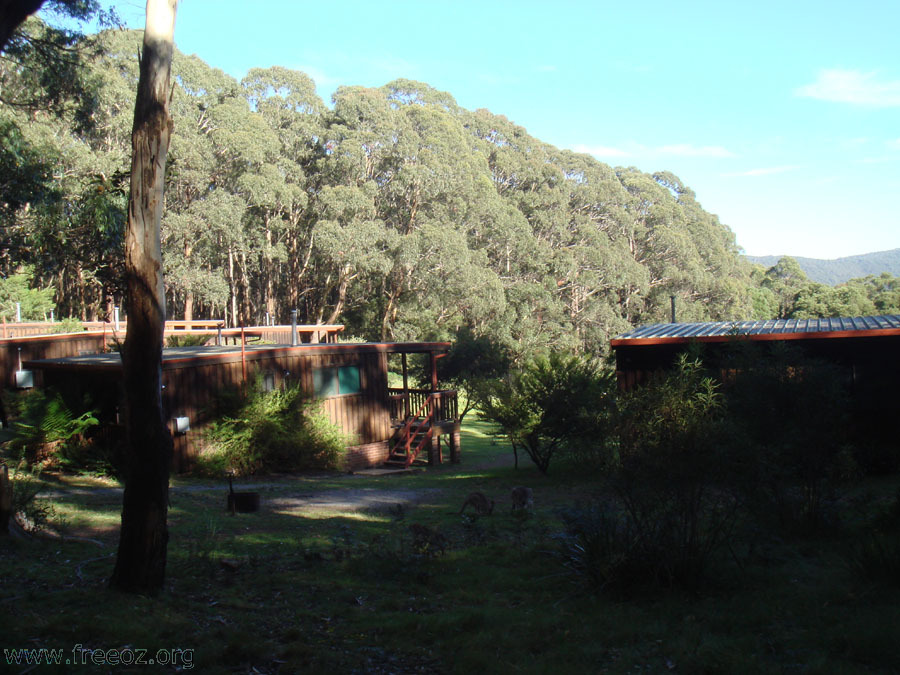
279, 430
45, 424
673, 474
553, 404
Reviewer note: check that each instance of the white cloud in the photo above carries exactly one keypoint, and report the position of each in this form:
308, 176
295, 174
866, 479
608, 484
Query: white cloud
320, 77
546, 69
601, 151
894, 144
853, 86
638, 150
688, 150
876, 160
766, 171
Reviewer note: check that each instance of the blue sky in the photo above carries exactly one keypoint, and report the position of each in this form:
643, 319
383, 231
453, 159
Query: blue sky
783, 117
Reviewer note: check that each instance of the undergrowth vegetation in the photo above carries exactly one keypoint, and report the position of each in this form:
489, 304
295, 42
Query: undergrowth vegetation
278, 430
407, 584
693, 524
689, 467
48, 430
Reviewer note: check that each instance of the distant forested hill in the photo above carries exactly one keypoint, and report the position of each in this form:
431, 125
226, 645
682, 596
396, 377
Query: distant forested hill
833, 272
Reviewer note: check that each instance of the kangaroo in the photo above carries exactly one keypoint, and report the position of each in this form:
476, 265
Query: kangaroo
522, 498
426, 540
482, 505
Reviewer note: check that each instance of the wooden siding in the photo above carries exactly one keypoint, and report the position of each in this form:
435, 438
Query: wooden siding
869, 365
191, 388
45, 347
193, 378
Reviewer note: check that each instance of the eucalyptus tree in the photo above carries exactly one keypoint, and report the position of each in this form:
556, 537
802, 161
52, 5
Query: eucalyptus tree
407, 141
143, 540
785, 279
721, 279
278, 192
59, 200
349, 242
883, 290
242, 143
599, 279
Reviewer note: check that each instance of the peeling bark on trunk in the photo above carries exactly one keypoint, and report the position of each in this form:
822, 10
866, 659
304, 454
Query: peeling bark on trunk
270, 274
246, 306
141, 561
189, 293
341, 296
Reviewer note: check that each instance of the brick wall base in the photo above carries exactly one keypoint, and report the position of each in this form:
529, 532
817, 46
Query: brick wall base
366, 456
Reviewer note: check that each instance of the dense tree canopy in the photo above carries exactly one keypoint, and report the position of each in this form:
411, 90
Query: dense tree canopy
392, 210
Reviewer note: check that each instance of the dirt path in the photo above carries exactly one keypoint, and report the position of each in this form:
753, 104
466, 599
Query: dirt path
342, 500
285, 495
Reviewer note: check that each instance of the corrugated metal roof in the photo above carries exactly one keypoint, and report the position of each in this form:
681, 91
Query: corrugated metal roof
689, 331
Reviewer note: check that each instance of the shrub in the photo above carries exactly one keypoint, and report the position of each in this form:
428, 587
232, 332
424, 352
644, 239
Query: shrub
552, 404
29, 511
791, 415
67, 325
471, 363
599, 548
279, 430
875, 557
672, 476
188, 340
47, 427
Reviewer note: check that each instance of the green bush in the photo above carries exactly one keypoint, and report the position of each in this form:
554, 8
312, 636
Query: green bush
554, 404
280, 430
790, 415
188, 340
67, 325
875, 558
673, 476
598, 548
47, 427
29, 510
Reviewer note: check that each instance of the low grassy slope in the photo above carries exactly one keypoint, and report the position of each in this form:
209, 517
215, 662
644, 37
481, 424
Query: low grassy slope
314, 588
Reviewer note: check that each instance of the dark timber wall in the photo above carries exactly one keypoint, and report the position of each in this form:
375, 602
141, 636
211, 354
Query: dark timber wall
191, 387
45, 347
194, 378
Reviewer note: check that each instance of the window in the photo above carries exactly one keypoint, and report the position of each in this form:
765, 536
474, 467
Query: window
336, 381
268, 381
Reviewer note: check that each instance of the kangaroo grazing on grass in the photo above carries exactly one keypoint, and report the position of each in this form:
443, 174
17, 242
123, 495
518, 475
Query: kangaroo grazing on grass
522, 498
482, 505
427, 540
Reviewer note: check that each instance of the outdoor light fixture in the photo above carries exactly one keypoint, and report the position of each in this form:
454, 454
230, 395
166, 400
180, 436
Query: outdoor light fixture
24, 379
182, 425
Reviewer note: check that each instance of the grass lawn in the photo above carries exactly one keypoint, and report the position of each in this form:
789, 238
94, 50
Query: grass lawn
308, 586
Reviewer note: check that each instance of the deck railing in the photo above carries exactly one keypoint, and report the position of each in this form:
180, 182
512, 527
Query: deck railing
405, 403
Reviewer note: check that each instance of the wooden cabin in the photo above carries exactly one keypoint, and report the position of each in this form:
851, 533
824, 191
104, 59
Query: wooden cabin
401, 425
23, 342
864, 350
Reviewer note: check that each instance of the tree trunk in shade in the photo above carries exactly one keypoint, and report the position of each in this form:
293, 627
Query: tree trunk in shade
141, 561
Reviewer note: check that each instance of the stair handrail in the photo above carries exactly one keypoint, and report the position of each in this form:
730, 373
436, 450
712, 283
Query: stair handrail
406, 435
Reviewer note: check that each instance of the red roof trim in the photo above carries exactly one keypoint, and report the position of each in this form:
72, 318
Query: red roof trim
760, 337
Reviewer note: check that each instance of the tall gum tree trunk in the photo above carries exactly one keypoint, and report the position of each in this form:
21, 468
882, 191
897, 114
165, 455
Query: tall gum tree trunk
141, 561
